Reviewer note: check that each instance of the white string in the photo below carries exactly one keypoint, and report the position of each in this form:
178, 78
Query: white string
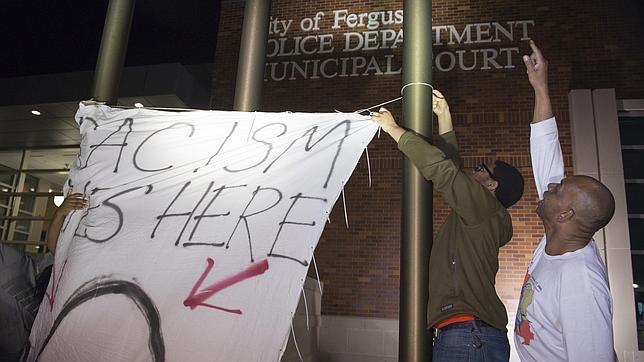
317, 275
366, 151
295, 342
378, 105
414, 83
192, 109
328, 219
402, 89
306, 308
344, 205
161, 108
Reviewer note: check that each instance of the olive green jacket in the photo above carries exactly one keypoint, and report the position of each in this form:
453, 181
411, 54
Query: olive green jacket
465, 252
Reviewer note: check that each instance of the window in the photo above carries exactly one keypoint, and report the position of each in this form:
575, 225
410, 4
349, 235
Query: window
29, 180
631, 128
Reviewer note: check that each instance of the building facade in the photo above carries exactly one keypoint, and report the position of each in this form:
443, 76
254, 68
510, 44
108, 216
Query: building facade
332, 55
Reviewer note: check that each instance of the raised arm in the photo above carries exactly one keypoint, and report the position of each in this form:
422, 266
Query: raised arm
72, 202
537, 69
441, 110
545, 150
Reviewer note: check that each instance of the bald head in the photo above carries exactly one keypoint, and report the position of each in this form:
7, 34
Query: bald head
593, 203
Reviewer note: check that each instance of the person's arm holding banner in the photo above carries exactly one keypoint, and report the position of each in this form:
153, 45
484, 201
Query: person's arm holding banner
72, 202
440, 107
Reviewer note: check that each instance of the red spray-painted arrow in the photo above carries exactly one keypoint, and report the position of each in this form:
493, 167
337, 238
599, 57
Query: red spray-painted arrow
196, 299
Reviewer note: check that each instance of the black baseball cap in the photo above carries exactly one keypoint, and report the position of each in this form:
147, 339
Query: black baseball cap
510, 188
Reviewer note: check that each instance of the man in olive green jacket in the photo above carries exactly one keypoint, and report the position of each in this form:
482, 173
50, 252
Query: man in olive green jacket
469, 317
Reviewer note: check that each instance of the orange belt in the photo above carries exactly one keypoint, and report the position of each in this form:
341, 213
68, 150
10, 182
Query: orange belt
456, 318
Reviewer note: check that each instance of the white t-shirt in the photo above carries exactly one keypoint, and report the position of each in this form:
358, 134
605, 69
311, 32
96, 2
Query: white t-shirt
565, 311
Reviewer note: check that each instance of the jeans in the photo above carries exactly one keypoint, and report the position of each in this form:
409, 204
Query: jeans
470, 341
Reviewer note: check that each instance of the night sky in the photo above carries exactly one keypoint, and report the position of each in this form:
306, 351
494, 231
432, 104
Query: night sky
41, 37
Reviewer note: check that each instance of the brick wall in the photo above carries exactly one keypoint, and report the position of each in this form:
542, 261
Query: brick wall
590, 44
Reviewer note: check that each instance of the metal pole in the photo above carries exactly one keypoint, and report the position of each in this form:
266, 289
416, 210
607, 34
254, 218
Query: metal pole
416, 229
252, 54
111, 55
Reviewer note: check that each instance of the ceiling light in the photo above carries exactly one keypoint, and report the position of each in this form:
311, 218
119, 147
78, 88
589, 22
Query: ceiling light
35, 112
636, 285
138, 105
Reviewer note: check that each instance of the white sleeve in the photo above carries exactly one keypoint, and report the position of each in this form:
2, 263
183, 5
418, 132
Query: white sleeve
586, 322
545, 151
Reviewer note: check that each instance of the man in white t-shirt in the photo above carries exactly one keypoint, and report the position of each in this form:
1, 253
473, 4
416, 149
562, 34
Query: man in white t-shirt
565, 311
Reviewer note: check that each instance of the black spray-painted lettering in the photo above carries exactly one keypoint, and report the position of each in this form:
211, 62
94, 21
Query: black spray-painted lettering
295, 198
203, 214
79, 156
244, 216
232, 130
269, 146
193, 212
117, 209
87, 118
134, 157
165, 213
128, 122
81, 221
310, 144
104, 286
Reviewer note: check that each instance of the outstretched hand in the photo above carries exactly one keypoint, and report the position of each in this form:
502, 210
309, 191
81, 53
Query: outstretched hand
441, 109
386, 121
439, 104
537, 69
75, 201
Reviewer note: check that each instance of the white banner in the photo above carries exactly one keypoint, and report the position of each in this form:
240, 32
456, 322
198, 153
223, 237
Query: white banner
199, 232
